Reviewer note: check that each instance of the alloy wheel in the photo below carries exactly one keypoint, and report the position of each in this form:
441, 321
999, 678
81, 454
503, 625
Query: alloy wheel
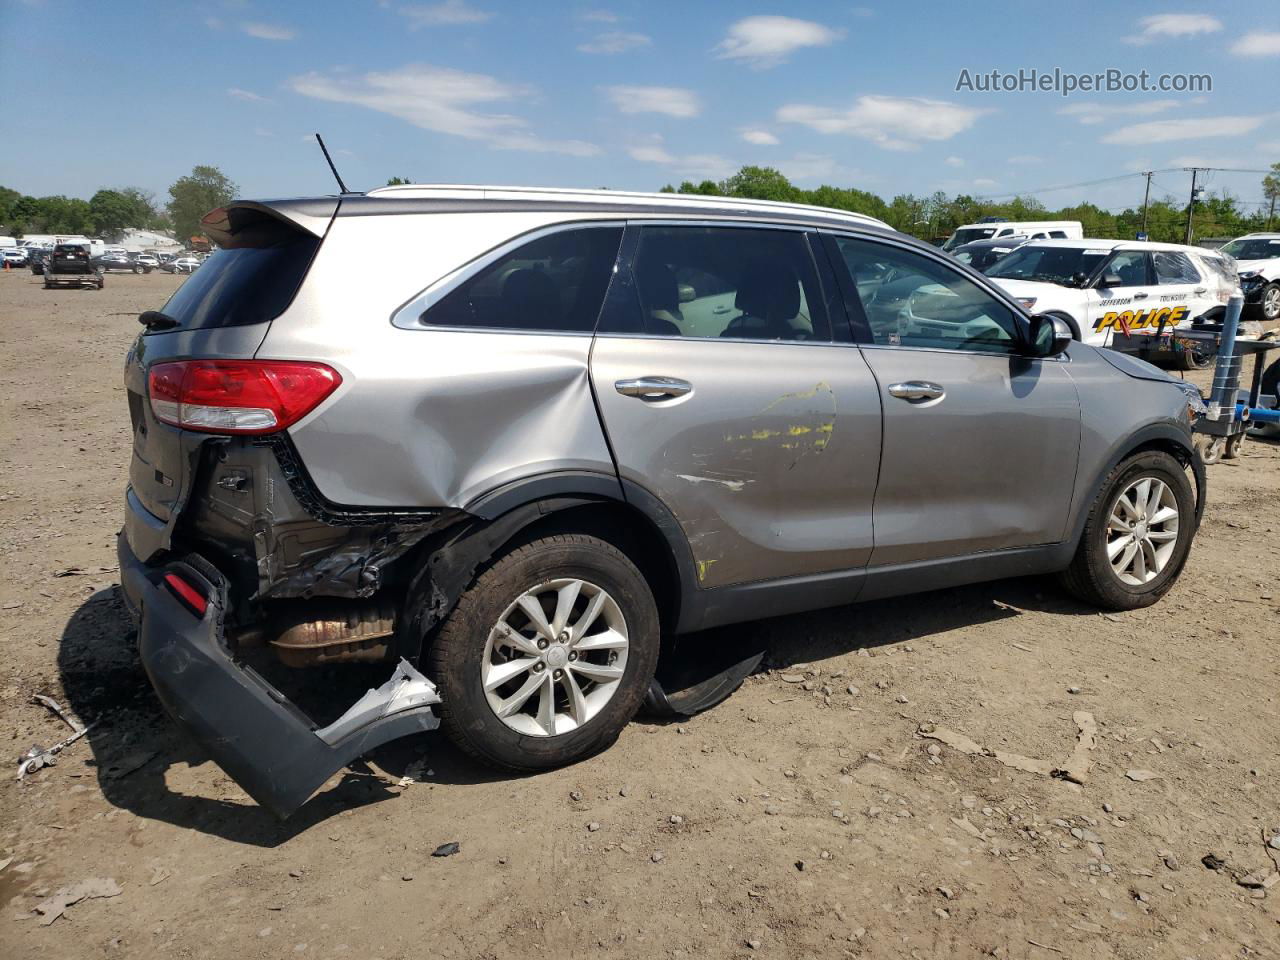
555, 657
1271, 302
1142, 532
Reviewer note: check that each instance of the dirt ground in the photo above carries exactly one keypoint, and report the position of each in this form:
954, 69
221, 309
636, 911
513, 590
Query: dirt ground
805, 817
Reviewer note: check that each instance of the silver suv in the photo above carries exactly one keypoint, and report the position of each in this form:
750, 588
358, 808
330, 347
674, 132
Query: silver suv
507, 441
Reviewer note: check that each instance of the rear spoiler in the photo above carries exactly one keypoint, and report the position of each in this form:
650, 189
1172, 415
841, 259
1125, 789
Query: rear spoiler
311, 215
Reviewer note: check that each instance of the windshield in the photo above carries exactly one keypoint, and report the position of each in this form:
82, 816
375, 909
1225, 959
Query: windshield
1255, 248
1048, 264
968, 235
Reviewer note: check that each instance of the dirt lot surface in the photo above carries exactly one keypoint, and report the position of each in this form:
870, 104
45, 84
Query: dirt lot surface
807, 816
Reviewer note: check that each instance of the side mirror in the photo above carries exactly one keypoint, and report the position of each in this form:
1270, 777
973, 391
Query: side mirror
1050, 335
687, 293
1111, 280
1080, 279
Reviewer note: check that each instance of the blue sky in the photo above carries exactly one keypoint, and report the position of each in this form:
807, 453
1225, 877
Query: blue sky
628, 95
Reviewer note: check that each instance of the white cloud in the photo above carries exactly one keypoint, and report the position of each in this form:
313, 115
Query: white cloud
268, 31
598, 16
451, 13
245, 95
1258, 44
761, 138
1099, 113
695, 166
894, 123
985, 184
1191, 128
672, 101
1163, 26
442, 100
817, 167
767, 41
1025, 159
954, 161
615, 41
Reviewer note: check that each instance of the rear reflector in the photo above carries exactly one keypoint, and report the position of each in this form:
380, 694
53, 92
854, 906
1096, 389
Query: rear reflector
238, 396
187, 593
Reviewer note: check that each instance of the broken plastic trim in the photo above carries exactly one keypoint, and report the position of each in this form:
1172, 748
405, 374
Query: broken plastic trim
257, 735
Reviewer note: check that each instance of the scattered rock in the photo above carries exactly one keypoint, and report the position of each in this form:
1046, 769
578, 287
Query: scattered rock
947, 892
94, 888
676, 819
901, 698
575, 796
933, 750
592, 827
657, 856
753, 944
852, 690
1169, 859
406, 877
792, 677
1213, 861
446, 849
1074, 690
296, 874
1141, 775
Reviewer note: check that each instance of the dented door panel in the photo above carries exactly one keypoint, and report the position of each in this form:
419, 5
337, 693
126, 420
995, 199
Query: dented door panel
769, 463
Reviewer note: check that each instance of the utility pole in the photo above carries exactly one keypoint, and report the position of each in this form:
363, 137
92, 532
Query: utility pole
1191, 204
1146, 199
1272, 212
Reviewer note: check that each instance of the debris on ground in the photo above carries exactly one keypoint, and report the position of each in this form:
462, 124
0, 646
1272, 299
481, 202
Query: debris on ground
446, 849
37, 756
1075, 769
91, 889
1141, 776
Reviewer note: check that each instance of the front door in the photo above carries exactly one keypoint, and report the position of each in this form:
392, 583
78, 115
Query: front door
724, 395
980, 441
1122, 300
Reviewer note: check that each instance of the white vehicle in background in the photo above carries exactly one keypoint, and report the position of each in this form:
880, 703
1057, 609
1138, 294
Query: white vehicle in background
1032, 229
1257, 257
183, 264
147, 262
1121, 293
14, 256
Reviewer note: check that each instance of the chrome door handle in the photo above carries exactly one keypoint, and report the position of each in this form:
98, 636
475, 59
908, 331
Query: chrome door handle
1200, 291
1141, 296
654, 388
916, 390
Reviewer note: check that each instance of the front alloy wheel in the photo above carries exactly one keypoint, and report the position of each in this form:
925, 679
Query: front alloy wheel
555, 658
1143, 531
1271, 302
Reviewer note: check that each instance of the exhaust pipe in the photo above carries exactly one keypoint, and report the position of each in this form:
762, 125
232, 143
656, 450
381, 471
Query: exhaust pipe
351, 633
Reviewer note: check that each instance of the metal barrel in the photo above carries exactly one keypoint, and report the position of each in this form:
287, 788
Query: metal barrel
1226, 372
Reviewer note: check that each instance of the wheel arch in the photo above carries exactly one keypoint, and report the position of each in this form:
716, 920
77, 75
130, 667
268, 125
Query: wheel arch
622, 514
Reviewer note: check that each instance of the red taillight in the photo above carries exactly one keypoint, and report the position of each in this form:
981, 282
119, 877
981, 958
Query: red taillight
187, 593
238, 396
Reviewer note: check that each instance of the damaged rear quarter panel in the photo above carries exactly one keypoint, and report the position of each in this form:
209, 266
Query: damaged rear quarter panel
430, 417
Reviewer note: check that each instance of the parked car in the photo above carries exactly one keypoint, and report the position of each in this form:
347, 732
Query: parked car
1257, 257
182, 264
36, 257
14, 257
146, 262
585, 421
981, 254
117, 262
993, 228
1118, 293
69, 264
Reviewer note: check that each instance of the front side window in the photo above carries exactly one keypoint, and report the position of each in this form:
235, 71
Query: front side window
1128, 268
553, 283
1174, 267
911, 300
726, 282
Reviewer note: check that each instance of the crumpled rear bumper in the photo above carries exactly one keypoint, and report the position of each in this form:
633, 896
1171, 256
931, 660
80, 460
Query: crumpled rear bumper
273, 750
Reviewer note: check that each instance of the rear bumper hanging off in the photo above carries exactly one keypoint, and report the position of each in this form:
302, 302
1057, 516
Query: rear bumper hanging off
254, 732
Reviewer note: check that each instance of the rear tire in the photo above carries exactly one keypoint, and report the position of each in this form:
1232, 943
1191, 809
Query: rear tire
1092, 576
470, 648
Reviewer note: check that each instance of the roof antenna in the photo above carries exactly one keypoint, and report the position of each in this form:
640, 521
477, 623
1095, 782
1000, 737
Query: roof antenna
341, 186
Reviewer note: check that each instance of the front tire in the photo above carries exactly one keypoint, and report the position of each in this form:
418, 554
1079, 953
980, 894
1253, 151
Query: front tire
548, 654
1138, 534
1271, 301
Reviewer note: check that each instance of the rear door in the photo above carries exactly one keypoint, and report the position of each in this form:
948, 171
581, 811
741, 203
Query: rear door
980, 441
725, 396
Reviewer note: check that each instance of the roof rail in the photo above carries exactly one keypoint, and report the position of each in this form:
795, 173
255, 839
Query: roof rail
487, 191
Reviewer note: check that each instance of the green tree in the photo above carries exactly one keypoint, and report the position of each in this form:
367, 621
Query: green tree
398, 181
759, 183
1271, 191
192, 196
112, 213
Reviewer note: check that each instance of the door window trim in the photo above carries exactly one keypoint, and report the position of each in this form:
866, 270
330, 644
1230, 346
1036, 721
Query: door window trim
1101, 271
857, 318
408, 316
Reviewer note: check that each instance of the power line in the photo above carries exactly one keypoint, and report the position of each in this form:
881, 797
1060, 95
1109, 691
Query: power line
1123, 176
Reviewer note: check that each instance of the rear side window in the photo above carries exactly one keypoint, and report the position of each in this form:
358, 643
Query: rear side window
554, 283
252, 279
1174, 267
732, 282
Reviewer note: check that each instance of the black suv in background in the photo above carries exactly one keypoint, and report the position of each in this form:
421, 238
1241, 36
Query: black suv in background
70, 265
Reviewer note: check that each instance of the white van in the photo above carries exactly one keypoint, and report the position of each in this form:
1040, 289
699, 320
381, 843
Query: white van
1031, 229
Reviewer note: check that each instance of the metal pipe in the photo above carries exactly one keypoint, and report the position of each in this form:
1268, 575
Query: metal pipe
1226, 372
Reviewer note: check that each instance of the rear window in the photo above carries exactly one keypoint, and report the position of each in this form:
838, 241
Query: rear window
252, 279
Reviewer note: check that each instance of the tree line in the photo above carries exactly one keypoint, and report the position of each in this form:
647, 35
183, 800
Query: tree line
937, 215
111, 211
